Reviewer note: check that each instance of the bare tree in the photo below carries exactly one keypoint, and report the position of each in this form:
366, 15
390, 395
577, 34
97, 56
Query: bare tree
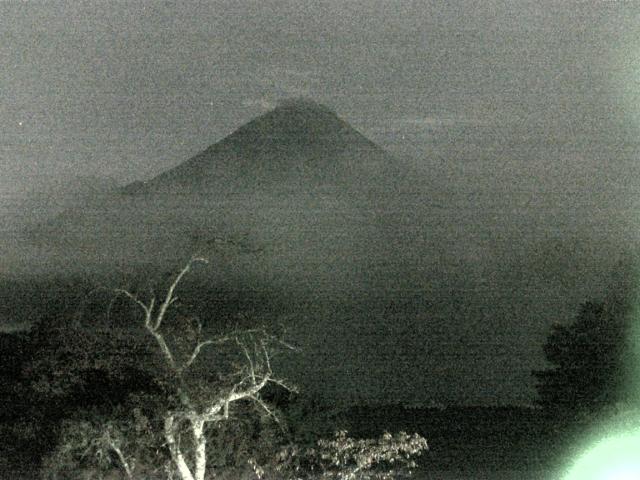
194, 415
202, 380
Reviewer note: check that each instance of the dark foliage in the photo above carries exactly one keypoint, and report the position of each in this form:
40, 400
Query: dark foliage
589, 359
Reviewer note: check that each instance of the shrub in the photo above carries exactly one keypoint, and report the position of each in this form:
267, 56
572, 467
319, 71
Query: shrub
345, 458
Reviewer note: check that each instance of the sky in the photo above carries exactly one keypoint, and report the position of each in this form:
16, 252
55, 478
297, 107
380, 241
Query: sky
129, 89
511, 107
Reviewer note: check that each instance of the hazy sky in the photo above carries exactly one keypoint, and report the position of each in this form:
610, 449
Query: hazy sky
127, 89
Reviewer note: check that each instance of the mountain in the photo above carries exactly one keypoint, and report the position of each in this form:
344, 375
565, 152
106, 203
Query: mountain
299, 143
312, 199
395, 280
297, 180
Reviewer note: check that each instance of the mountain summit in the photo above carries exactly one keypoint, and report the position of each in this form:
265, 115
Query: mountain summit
298, 142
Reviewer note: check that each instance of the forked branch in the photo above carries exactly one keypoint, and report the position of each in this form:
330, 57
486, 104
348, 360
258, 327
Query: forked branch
153, 324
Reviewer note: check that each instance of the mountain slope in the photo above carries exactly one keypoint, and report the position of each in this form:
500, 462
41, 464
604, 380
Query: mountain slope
299, 143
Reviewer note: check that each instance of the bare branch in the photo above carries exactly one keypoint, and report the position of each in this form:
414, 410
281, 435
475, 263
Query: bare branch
234, 395
123, 460
169, 299
265, 407
252, 370
266, 356
164, 348
154, 326
147, 309
252, 390
201, 345
152, 304
286, 386
287, 345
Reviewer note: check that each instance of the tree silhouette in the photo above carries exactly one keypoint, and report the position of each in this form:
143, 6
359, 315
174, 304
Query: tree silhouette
589, 359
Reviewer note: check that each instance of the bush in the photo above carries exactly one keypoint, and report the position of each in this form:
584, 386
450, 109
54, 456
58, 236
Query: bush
345, 458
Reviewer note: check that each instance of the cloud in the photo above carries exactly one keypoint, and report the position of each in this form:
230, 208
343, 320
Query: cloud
275, 83
264, 103
279, 82
419, 125
433, 121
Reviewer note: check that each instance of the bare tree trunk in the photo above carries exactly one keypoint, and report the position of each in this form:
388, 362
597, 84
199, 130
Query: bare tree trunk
201, 448
174, 450
123, 461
